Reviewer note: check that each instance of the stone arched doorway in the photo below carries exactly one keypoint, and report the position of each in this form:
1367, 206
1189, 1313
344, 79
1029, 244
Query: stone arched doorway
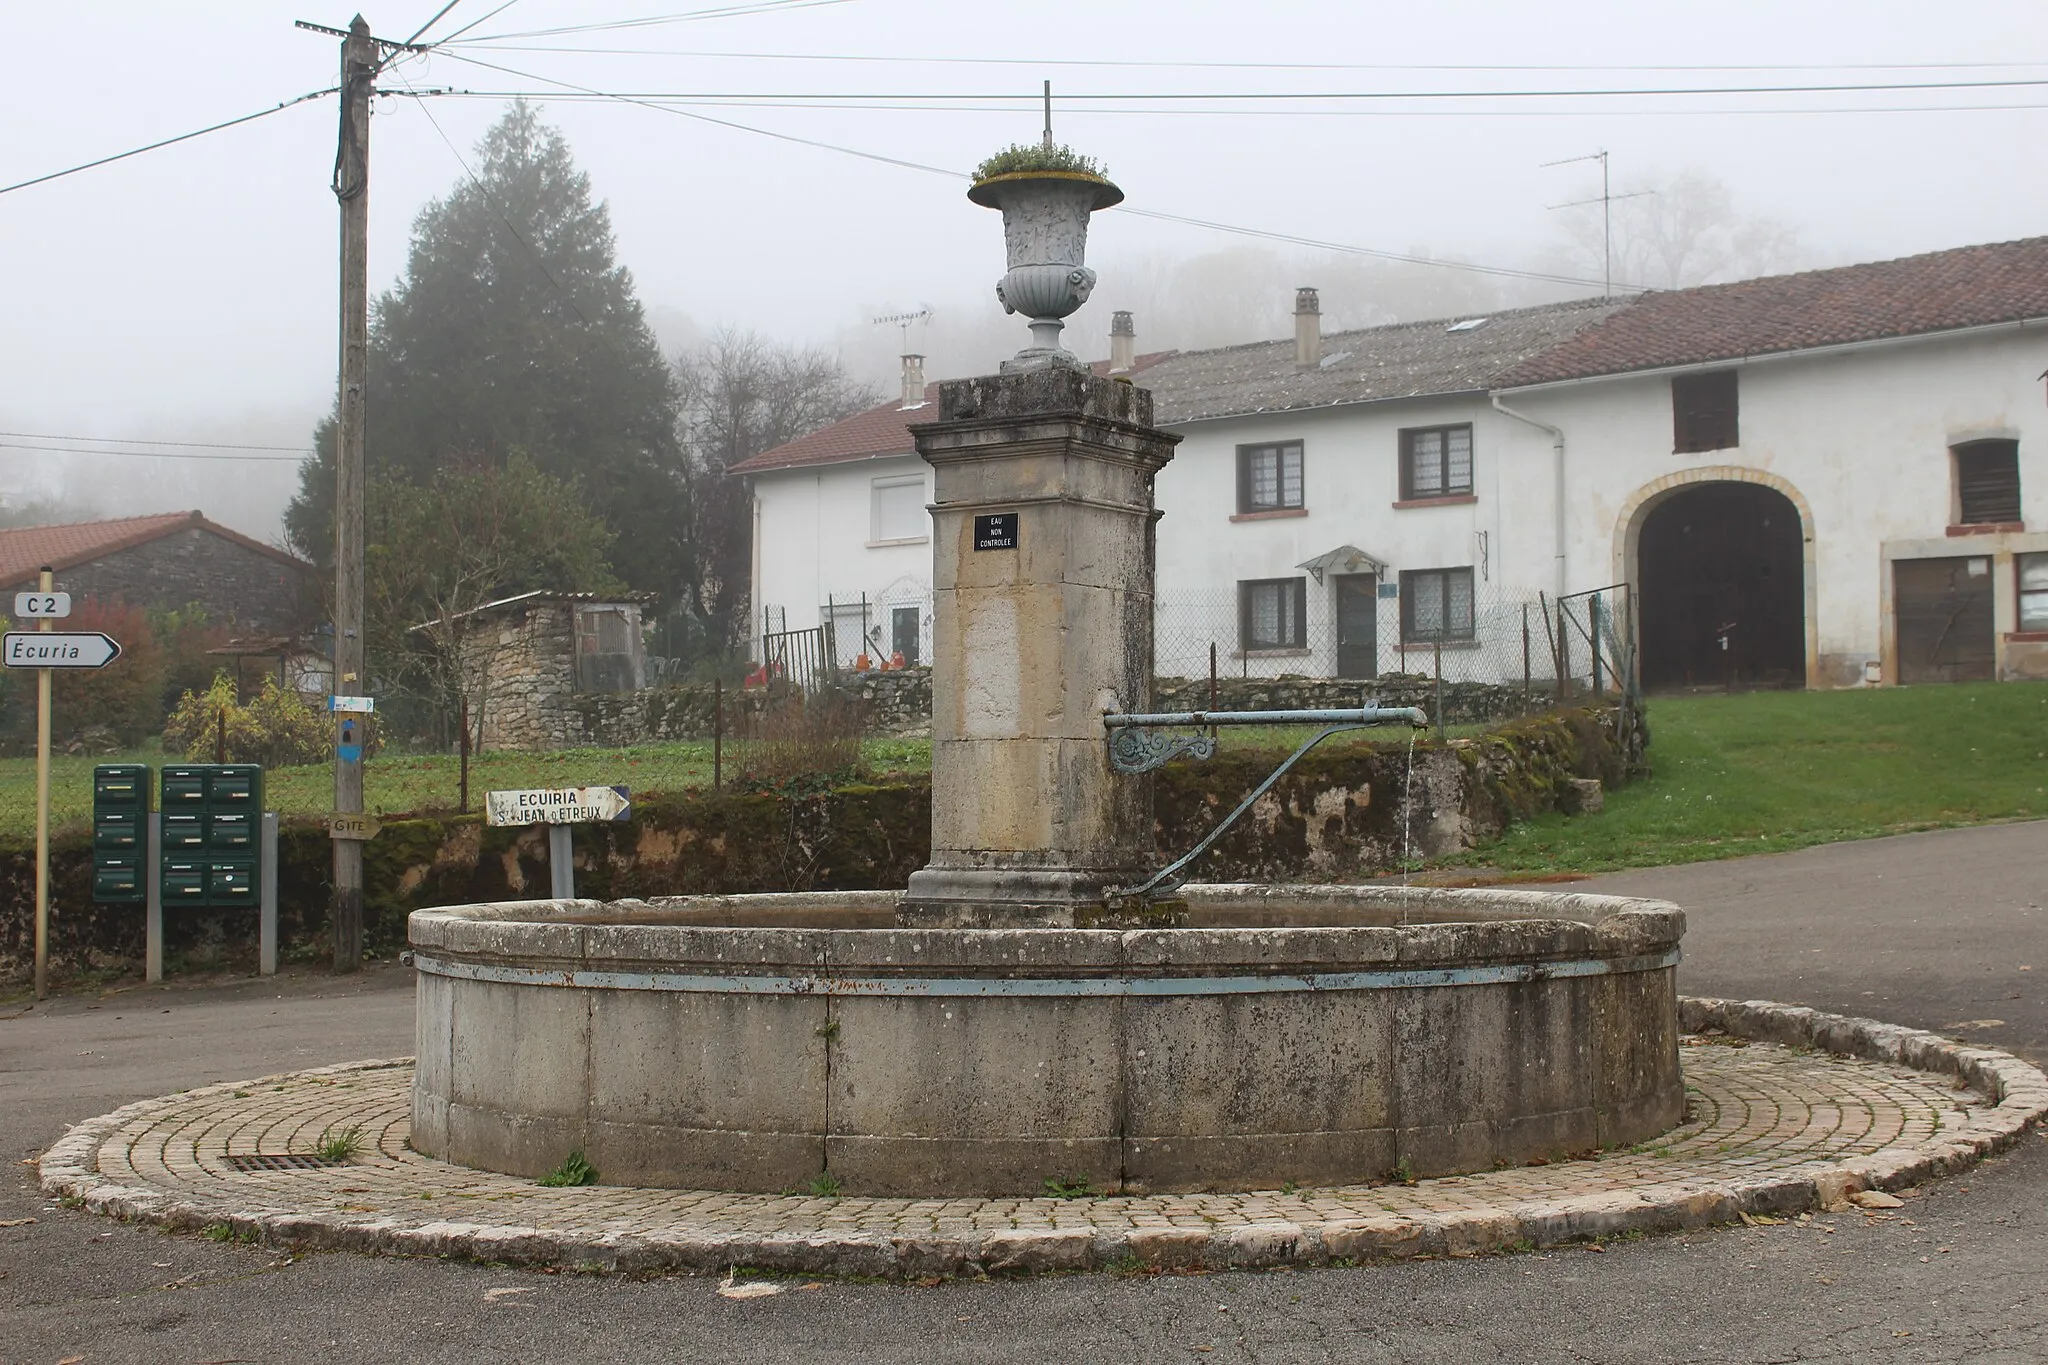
1720, 574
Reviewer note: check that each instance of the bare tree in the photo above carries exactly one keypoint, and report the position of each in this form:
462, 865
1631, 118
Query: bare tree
742, 395
1676, 232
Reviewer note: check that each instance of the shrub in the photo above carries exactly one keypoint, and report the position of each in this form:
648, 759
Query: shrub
276, 728
1036, 156
124, 699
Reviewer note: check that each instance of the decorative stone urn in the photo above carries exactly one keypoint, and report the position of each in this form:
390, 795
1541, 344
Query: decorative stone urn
1045, 227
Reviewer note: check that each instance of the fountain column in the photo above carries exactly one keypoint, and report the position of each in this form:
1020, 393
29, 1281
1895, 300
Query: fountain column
1042, 578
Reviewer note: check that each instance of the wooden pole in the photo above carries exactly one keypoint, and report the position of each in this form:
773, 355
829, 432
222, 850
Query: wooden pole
352, 187
46, 582
463, 748
717, 733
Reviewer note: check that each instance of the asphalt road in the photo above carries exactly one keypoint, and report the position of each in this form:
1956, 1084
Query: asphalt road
1937, 930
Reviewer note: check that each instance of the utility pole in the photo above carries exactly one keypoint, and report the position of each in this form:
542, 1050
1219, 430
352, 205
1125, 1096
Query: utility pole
360, 61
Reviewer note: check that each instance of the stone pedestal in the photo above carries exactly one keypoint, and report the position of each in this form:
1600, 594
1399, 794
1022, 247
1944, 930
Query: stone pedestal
1042, 577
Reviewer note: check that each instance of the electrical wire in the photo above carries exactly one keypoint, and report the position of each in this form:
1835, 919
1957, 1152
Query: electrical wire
1037, 62
141, 441
161, 454
882, 104
1502, 271
472, 24
654, 20
169, 141
430, 23
943, 98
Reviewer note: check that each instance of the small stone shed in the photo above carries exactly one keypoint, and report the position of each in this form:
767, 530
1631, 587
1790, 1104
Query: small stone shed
531, 657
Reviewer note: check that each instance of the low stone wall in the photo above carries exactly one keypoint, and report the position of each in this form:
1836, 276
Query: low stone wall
899, 702
896, 702
1341, 814
1465, 703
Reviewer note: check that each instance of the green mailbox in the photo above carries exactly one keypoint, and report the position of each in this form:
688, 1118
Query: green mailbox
211, 827
120, 832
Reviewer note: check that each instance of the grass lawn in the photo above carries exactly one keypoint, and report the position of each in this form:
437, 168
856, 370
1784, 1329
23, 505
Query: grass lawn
397, 783
1768, 771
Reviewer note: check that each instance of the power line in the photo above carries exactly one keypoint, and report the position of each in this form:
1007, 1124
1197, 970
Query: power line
884, 104
473, 24
655, 20
1036, 62
431, 22
942, 98
160, 454
169, 141
141, 441
1504, 271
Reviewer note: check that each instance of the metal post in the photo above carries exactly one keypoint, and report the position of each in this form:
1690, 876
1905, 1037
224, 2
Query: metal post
1438, 650
46, 582
1212, 683
561, 863
359, 66
717, 733
266, 892
153, 901
463, 749
1564, 652
1525, 657
1593, 617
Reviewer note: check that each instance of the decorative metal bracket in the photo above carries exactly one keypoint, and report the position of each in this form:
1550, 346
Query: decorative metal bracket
1136, 746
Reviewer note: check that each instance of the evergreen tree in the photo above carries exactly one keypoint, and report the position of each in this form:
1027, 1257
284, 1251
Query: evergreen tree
515, 329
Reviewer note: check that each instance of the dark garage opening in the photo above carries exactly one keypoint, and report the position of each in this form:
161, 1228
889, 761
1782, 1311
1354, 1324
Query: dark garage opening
1723, 589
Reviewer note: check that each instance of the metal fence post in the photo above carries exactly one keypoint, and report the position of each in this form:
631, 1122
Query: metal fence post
266, 913
463, 750
717, 733
1593, 617
1439, 653
1525, 656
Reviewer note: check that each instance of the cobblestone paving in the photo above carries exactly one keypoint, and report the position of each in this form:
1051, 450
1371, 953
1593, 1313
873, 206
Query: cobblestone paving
1769, 1130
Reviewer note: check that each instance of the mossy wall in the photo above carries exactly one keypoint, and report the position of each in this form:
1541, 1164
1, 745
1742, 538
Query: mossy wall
1344, 813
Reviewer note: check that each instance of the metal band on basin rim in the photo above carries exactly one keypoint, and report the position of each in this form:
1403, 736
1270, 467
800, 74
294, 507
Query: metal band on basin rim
1311, 1034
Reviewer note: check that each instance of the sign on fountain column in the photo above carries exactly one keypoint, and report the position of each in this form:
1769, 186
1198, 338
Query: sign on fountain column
1042, 577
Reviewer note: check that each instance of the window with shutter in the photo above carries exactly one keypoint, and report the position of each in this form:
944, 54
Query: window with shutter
1703, 412
1987, 482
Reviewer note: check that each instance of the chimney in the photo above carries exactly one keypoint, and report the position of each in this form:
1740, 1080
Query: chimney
1308, 327
1123, 342
913, 381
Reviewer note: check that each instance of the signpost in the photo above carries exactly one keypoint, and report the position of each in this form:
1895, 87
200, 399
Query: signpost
44, 649
345, 825
47, 649
558, 808
42, 606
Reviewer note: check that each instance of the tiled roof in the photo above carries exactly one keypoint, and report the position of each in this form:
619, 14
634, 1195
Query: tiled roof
25, 549
1404, 360
1972, 286
878, 432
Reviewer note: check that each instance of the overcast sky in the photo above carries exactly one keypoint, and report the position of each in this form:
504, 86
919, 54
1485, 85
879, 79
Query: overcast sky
189, 294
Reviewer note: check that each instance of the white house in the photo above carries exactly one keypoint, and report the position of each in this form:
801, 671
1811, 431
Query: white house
1826, 478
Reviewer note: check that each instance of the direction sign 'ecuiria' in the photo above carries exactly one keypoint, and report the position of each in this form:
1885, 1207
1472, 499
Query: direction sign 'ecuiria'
59, 649
557, 806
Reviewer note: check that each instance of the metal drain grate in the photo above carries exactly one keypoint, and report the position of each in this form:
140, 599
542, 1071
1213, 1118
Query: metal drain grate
291, 1161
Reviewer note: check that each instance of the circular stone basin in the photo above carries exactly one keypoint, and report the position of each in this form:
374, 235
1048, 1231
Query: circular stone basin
1309, 1034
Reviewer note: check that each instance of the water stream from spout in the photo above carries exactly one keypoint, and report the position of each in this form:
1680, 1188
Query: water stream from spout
1408, 809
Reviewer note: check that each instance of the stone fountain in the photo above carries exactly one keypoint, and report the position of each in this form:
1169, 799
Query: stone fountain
1034, 1007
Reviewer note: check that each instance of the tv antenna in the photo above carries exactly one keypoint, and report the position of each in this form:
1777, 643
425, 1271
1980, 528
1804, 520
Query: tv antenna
923, 313
1606, 203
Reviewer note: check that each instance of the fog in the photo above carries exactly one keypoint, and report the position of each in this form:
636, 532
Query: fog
188, 294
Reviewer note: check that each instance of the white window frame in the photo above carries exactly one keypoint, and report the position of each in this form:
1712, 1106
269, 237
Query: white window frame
877, 488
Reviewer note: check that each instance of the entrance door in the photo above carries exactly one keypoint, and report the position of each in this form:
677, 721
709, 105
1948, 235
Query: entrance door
1943, 607
903, 633
1723, 579
1358, 625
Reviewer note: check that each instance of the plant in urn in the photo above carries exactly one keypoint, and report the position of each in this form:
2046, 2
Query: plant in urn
1046, 193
